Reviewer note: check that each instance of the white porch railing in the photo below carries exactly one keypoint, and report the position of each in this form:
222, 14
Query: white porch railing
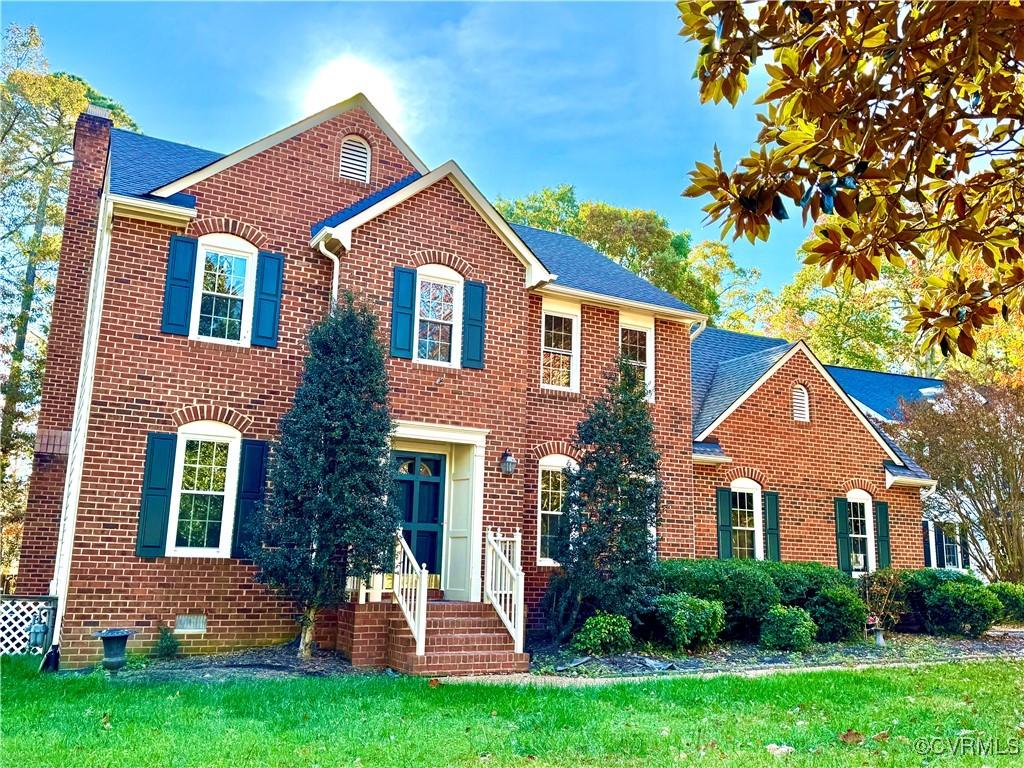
410, 590
503, 581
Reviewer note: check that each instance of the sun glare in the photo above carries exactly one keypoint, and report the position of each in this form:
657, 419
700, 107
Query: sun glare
347, 75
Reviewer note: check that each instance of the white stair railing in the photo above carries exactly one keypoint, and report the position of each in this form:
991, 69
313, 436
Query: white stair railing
504, 582
410, 589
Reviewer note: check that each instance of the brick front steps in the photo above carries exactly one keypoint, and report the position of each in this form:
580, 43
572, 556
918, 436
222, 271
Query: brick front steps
461, 639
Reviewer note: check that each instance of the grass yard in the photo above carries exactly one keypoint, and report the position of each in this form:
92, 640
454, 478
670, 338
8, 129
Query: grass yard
86, 720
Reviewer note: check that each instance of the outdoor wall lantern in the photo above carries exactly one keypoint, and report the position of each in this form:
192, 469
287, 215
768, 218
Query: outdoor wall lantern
37, 632
508, 463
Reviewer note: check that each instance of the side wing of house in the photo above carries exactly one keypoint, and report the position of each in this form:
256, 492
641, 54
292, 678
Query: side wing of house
786, 467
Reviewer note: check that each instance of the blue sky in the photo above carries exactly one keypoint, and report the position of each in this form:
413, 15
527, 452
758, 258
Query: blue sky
520, 95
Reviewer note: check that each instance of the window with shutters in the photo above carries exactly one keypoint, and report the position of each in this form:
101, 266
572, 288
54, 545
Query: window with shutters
862, 531
225, 281
438, 319
952, 551
203, 496
801, 404
636, 345
747, 520
355, 159
551, 490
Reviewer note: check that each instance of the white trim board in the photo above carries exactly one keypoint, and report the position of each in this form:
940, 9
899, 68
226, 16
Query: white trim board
293, 130
536, 273
800, 346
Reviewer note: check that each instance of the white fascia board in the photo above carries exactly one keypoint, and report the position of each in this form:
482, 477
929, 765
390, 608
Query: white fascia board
536, 273
293, 130
613, 302
802, 347
150, 210
908, 482
698, 459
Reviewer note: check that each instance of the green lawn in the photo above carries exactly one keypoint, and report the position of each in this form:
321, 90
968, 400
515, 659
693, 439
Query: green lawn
84, 721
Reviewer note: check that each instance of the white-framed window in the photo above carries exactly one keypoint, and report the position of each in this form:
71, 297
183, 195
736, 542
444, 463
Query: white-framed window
223, 288
801, 403
636, 345
946, 536
355, 159
203, 496
551, 489
747, 519
951, 549
560, 348
862, 531
438, 316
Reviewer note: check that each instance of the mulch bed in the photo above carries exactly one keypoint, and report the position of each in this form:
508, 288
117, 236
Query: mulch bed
743, 657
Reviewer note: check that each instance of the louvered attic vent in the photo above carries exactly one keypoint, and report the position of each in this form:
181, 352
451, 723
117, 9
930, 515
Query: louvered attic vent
355, 159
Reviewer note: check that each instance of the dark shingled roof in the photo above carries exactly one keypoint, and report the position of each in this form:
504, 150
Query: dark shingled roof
708, 448
139, 164
361, 205
882, 392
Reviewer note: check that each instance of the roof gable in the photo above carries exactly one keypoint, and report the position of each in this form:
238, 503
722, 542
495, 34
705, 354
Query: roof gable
883, 392
140, 163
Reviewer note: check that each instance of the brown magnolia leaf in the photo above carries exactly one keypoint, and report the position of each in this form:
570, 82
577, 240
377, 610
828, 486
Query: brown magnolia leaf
881, 737
105, 721
852, 737
434, 682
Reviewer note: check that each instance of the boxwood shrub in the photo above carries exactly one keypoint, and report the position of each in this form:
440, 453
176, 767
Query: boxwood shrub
960, 608
744, 589
1011, 596
918, 584
603, 633
799, 583
688, 623
839, 613
787, 629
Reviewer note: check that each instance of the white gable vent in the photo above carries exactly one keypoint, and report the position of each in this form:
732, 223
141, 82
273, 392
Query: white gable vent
189, 624
355, 159
801, 404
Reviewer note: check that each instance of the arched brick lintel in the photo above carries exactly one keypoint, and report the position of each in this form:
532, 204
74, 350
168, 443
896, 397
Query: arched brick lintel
209, 225
221, 413
556, 446
861, 484
735, 473
459, 264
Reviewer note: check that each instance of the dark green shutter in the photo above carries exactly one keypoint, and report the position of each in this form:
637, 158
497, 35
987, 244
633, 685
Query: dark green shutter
843, 535
474, 314
403, 307
940, 546
723, 498
181, 271
266, 314
252, 483
965, 555
157, 482
925, 538
771, 526
882, 534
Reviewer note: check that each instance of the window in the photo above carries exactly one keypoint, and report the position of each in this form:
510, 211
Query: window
560, 344
862, 531
355, 159
747, 520
801, 404
438, 315
203, 498
551, 490
636, 345
222, 302
951, 547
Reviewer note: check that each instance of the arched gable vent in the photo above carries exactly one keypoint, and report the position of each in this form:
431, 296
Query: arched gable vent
801, 404
355, 159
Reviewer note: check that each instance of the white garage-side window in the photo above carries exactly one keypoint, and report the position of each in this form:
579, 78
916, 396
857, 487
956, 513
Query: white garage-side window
552, 486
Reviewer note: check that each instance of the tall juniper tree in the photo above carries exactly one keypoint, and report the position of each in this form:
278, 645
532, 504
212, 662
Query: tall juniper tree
605, 543
328, 514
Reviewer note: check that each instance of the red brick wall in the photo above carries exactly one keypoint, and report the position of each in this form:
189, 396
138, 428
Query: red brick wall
64, 351
809, 464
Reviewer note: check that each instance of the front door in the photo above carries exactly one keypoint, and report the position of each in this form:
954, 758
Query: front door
419, 492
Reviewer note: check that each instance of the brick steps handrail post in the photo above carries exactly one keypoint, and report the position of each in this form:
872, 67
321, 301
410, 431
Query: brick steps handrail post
410, 590
504, 582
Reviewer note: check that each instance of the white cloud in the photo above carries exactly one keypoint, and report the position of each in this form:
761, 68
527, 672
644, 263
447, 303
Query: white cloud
348, 74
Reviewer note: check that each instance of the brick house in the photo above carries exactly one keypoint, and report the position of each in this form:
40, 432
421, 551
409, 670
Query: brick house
188, 281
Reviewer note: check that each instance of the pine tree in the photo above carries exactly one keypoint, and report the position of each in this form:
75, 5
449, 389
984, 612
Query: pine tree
328, 514
605, 543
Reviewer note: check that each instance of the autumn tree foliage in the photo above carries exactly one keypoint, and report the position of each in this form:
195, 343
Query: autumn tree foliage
896, 127
971, 440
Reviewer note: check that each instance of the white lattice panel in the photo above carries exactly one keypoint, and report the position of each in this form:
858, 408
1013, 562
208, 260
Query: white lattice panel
16, 614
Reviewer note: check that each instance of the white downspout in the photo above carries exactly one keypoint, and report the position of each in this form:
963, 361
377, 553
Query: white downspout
322, 245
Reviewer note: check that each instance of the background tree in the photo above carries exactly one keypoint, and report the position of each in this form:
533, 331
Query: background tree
612, 504
706, 277
971, 440
896, 126
38, 110
328, 514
